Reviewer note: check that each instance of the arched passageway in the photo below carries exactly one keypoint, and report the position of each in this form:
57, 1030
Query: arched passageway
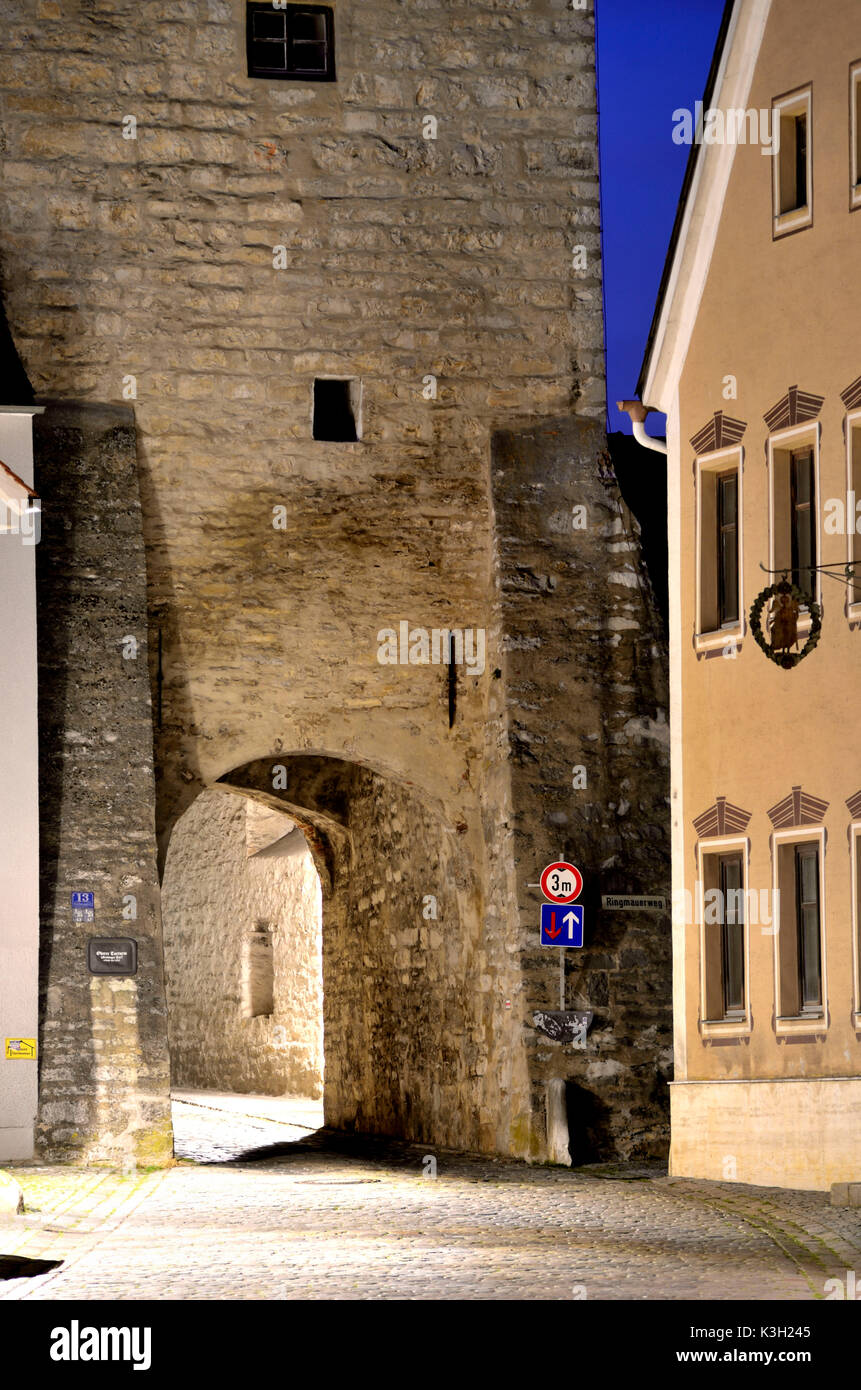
395, 951
412, 1045
242, 914
412, 997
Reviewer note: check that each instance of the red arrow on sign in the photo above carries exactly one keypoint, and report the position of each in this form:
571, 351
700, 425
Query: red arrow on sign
553, 931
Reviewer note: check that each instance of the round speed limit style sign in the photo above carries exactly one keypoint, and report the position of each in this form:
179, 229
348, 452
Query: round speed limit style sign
561, 882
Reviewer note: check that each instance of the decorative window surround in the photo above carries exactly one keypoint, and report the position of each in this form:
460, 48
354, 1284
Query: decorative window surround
721, 818
721, 1027
780, 446
708, 635
855, 136
721, 432
795, 408
794, 111
798, 808
786, 1024
855, 894
852, 433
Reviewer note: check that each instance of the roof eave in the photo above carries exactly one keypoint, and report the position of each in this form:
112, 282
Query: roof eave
700, 206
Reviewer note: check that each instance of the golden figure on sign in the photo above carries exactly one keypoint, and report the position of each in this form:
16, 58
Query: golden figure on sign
784, 623
774, 619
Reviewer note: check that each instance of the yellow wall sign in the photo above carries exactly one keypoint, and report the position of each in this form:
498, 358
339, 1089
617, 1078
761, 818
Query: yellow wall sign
20, 1049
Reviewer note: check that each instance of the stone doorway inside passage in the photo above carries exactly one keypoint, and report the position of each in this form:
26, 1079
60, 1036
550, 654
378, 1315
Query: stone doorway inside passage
242, 914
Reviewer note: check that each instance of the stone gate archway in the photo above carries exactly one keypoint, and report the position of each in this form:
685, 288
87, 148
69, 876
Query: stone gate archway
409, 1050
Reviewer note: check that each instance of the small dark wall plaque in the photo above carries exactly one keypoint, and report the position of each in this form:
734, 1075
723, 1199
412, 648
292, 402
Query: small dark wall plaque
112, 955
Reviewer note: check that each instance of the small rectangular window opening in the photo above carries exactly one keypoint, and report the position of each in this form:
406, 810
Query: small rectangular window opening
798, 940
855, 140
802, 520
258, 973
856, 892
337, 409
732, 935
723, 939
807, 922
793, 157
719, 575
792, 163
295, 42
794, 519
854, 539
728, 548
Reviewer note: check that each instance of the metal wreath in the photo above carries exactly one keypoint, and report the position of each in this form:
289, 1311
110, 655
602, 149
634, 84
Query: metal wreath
785, 659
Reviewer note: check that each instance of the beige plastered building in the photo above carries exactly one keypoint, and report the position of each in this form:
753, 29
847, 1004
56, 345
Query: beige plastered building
755, 357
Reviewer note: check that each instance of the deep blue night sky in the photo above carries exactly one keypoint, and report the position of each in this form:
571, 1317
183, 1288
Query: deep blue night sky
652, 58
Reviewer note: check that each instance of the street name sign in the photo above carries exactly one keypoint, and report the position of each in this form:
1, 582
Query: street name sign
618, 902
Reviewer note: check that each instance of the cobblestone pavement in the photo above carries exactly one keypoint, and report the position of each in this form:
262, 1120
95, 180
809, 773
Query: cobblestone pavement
259, 1208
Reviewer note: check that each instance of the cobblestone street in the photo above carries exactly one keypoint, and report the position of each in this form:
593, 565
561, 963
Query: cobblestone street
262, 1207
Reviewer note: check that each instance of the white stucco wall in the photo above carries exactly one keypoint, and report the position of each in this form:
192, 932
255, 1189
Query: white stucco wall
796, 1132
19, 808
218, 886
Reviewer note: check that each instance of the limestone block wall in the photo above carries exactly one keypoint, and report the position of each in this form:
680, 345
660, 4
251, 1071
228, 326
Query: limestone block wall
586, 681
426, 1050
251, 237
214, 896
103, 1073
148, 265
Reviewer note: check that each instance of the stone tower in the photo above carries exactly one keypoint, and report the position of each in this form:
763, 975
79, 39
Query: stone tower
333, 351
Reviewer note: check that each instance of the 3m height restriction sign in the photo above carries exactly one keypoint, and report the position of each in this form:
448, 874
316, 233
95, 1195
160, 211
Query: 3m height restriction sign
561, 882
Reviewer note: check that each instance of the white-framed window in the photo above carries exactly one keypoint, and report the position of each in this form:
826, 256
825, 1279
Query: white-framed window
725, 910
855, 135
794, 509
800, 986
852, 430
792, 166
720, 567
855, 861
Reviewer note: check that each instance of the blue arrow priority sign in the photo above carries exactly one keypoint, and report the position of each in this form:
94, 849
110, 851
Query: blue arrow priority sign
561, 925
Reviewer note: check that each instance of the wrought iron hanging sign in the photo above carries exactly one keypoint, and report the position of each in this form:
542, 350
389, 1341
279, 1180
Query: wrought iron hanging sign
788, 601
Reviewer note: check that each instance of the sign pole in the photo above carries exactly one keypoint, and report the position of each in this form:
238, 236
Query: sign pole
562, 981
